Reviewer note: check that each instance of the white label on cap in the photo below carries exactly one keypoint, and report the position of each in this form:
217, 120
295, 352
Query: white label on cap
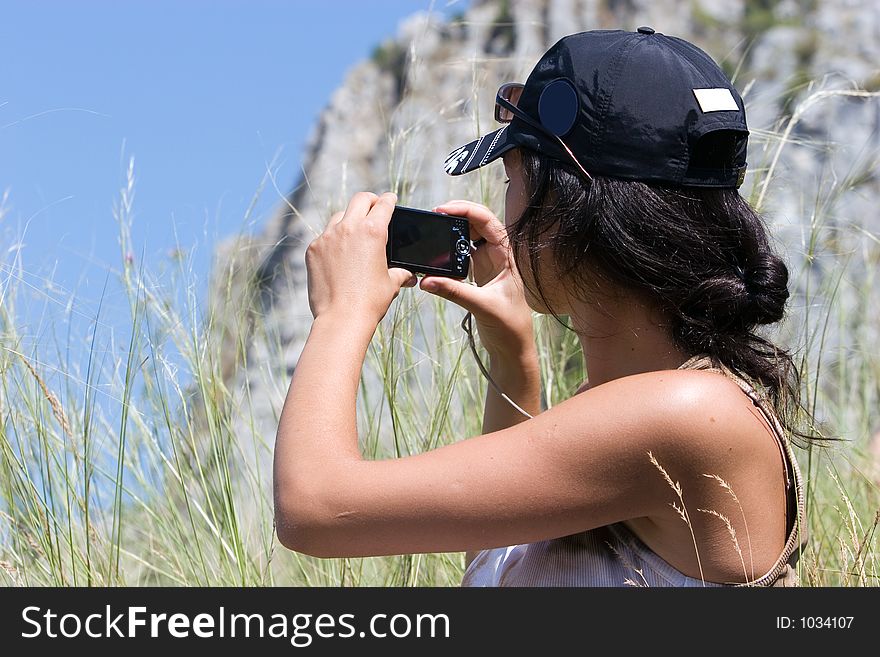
715, 100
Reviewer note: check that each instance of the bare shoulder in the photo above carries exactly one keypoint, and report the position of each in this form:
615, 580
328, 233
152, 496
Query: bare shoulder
706, 418
715, 415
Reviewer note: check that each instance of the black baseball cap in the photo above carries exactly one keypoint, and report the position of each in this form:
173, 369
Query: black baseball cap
633, 105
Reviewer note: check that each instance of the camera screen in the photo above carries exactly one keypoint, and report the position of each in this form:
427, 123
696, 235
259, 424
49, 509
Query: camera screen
421, 240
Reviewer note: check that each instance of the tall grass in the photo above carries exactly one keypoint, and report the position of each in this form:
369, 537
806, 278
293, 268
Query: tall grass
150, 463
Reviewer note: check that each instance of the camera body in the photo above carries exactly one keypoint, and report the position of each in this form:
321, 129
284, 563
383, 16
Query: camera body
428, 242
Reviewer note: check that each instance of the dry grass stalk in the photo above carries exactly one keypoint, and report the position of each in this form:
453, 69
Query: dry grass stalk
732, 532
854, 527
730, 491
57, 411
681, 510
11, 570
866, 541
627, 563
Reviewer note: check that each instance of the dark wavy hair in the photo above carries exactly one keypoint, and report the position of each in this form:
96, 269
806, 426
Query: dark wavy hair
703, 255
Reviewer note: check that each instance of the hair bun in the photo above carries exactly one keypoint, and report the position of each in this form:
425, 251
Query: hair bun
719, 303
767, 286
739, 299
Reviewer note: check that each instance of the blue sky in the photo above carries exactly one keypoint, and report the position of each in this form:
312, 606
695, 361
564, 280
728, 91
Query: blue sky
202, 94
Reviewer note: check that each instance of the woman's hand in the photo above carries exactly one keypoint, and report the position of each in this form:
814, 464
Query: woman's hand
347, 266
498, 303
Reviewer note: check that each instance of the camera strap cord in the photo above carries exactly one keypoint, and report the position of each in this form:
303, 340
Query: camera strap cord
466, 325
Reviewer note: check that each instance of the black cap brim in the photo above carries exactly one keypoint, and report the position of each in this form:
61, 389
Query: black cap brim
479, 152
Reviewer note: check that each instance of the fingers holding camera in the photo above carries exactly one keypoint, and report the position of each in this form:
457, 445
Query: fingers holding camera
367, 212
493, 256
481, 219
360, 205
409, 279
503, 295
498, 303
346, 265
502, 314
366, 205
460, 292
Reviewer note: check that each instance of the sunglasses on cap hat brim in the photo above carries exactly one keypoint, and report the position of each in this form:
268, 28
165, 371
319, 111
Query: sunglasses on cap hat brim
506, 109
493, 145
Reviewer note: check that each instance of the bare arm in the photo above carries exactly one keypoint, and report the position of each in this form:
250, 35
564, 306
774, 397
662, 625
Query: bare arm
518, 375
579, 465
519, 378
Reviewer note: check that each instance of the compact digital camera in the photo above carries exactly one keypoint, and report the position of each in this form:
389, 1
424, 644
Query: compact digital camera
429, 243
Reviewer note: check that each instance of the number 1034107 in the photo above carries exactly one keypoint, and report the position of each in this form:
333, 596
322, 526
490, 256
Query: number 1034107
814, 622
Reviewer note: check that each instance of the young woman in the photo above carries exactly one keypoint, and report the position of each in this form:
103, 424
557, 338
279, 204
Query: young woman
672, 464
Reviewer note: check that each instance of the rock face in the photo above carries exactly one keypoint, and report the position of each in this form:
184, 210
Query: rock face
432, 88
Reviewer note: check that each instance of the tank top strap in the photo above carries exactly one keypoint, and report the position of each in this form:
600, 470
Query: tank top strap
783, 572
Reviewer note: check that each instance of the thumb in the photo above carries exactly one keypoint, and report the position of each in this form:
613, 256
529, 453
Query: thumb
403, 277
454, 290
